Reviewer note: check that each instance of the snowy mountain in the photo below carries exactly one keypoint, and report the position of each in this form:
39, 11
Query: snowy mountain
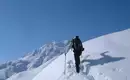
105, 58
32, 60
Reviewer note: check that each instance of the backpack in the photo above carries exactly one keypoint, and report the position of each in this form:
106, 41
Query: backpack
77, 45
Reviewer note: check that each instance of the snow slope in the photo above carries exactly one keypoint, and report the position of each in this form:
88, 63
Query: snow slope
29, 74
27, 66
105, 58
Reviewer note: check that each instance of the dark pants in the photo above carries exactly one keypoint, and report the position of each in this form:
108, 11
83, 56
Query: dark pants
77, 60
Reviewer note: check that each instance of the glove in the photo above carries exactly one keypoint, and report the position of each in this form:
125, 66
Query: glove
82, 49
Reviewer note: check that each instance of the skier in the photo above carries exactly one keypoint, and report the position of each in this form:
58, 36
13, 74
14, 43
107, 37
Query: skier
77, 49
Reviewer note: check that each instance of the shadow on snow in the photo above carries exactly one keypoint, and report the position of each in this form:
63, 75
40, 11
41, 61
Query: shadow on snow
103, 60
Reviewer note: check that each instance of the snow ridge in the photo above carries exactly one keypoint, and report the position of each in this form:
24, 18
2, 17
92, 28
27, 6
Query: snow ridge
105, 58
32, 60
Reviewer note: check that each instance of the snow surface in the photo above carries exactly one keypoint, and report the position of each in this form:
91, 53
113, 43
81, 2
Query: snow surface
30, 74
105, 58
27, 65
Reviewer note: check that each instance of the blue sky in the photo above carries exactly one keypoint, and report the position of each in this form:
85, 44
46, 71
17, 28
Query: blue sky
28, 24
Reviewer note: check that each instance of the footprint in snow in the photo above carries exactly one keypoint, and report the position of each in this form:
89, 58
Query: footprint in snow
85, 69
117, 69
105, 77
89, 77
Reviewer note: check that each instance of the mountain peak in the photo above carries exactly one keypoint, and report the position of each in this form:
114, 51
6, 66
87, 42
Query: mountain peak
33, 59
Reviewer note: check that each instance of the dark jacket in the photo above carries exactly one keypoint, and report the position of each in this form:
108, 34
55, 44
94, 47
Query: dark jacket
77, 45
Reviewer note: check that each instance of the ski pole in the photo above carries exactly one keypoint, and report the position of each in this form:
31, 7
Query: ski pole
65, 65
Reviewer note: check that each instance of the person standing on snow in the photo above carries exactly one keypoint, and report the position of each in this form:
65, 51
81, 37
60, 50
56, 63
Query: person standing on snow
77, 49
